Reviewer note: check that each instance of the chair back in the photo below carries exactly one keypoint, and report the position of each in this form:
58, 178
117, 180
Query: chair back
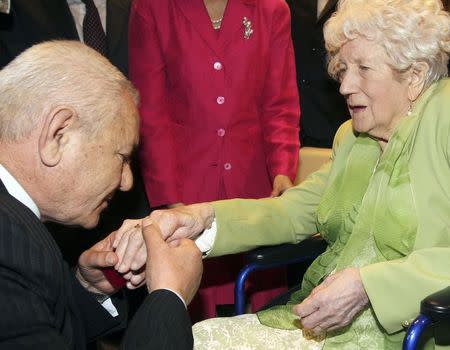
310, 160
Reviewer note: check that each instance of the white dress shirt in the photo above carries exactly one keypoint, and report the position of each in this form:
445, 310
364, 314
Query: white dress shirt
17, 191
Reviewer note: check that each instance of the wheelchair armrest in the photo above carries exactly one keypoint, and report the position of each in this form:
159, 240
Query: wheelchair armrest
437, 305
287, 253
273, 256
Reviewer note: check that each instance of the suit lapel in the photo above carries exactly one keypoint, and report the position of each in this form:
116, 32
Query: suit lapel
116, 19
329, 7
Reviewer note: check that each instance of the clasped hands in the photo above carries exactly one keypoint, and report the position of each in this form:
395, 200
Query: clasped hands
159, 250
161, 255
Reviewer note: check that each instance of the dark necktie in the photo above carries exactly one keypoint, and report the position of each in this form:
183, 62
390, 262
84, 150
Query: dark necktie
93, 33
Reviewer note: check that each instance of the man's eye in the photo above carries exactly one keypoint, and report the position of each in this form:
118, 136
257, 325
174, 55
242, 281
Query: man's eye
363, 68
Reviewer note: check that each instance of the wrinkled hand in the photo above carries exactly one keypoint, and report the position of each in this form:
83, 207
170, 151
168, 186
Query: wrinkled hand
280, 184
176, 266
130, 248
123, 250
184, 221
334, 303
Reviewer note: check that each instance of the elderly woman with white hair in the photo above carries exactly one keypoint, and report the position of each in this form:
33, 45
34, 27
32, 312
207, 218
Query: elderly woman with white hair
382, 203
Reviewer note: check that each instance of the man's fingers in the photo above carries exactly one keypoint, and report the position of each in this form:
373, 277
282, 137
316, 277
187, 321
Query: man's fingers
152, 235
99, 259
104, 244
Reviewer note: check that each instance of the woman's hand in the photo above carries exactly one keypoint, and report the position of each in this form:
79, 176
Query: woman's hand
130, 248
334, 303
184, 221
123, 250
280, 184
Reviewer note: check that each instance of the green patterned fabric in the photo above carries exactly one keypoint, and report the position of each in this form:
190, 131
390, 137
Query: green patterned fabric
367, 215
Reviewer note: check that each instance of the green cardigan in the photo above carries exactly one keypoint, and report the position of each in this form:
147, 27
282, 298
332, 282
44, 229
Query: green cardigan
394, 207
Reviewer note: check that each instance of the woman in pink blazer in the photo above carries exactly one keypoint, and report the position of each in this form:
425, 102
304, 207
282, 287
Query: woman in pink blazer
219, 108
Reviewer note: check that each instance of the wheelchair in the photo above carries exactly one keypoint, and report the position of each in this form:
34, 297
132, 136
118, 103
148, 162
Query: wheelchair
434, 309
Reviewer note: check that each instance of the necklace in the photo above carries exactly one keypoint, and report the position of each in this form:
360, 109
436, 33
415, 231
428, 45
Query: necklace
216, 23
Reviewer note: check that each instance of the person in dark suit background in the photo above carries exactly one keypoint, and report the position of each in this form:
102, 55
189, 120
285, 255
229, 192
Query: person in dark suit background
65, 152
31, 22
323, 108
4, 6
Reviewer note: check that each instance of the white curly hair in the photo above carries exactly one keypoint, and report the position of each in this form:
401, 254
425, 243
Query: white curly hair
410, 31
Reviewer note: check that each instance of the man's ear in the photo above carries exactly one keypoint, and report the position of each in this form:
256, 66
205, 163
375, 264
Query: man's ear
54, 134
417, 78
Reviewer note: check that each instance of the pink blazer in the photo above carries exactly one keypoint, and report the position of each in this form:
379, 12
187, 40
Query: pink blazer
219, 112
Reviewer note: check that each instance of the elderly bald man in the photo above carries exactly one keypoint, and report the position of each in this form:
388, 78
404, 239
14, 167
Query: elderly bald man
68, 126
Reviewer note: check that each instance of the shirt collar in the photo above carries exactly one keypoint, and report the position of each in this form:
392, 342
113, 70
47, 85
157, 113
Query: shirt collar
70, 2
17, 191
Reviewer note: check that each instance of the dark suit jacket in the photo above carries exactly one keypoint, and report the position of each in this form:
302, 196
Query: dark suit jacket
44, 307
42, 304
161, 323
34, 21
323, 108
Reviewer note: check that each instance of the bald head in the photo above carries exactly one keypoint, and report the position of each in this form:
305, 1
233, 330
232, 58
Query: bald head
68, 125
59, 73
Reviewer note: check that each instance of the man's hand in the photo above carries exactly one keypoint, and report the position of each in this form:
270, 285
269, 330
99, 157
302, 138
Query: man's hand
91, 262
334, 303
280, 184
176, 266
184, 221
